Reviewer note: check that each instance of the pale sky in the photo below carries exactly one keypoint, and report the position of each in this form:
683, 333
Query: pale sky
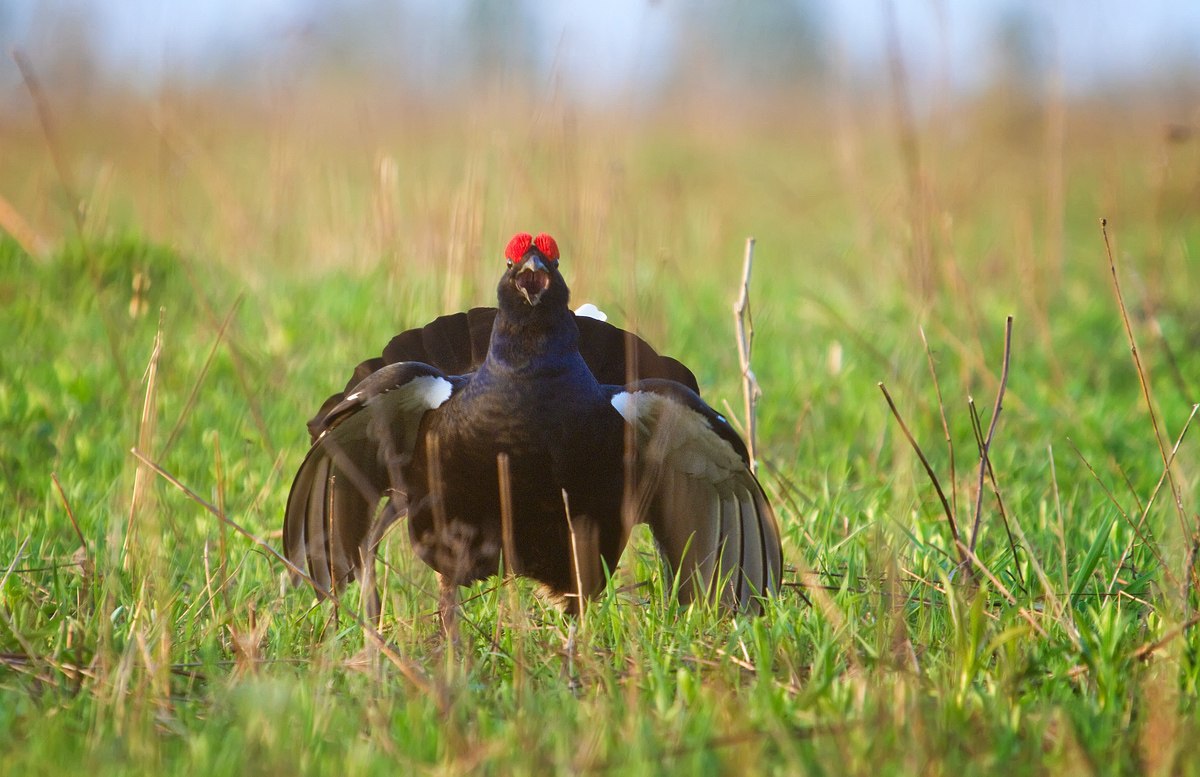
601, 47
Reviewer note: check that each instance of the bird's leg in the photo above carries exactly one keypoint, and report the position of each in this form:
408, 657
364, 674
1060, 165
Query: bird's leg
448, 607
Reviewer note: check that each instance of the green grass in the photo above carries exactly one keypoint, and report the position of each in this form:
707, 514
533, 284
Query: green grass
171, 645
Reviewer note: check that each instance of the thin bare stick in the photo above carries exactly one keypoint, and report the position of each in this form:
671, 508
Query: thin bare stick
744, 323
937, 387
211, 597
223, 532
21, 231
1057, 605
1143, 380
958, 545
1137, 527
46, 120
1173, 363
409, 671
1145, 509
12, 564
253, 400
507, 543
1132, 489
579, 591
24, 643
1061, 528
62, 495
1012, 600
984, 454
1148, 649
977, 428
191, 400
70, 193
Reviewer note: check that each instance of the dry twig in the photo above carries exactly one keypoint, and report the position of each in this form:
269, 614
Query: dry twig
960, 548
1143, 379
145, 432
744, 322
937, 387
984, 459
409, 671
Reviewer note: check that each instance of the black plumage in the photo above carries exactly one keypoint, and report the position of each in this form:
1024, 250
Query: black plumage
529, 432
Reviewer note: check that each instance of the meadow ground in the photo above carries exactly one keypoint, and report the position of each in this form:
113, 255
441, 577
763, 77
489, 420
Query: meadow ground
191, 278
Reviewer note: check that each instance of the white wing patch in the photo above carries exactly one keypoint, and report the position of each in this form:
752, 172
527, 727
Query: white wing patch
422, 392
433, 391
709, 516
681, 438
588, 310
623, 402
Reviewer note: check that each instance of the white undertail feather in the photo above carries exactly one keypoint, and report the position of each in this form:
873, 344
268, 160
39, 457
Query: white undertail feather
588, 310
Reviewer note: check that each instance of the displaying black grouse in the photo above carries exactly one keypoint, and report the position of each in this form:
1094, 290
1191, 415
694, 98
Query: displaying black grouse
531, 433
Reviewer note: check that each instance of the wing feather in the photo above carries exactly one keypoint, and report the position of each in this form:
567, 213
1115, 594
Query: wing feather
751, 564
457, 343
709, 515
330, 524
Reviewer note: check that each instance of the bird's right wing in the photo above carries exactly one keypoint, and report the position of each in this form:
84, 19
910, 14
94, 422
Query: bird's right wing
694, 487
360, 446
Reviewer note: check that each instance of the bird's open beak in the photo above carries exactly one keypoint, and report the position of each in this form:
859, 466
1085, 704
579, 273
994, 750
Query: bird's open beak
532, 279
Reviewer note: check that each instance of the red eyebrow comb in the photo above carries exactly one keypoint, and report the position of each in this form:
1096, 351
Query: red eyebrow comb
547, 246
518, 246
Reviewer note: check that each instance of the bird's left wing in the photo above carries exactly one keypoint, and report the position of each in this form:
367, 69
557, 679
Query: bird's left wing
331, 520
694, 487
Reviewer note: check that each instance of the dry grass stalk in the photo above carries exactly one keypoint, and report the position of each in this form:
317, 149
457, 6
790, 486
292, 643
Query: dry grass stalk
984, 460
70, 194
1145, 509
1137, 527
20, 230
146, 429
937, 387
408, 670
744, 321
1190, 573
70, 514
49, 132
17, 635
507, 543
191, 400
959, 547
977, 429
1143, 379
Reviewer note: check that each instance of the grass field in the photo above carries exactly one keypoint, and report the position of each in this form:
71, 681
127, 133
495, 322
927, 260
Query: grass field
225, 270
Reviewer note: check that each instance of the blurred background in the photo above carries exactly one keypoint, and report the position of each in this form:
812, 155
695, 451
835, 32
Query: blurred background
638, 51
210, 210
921, 159
295, 130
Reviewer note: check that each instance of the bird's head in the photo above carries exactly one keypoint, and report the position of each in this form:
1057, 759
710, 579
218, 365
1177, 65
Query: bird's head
532, 277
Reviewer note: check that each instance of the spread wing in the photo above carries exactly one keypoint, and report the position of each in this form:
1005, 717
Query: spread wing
457, 343
695, 489
330, 525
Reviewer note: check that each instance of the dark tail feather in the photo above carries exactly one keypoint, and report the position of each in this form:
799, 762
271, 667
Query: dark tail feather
329, 515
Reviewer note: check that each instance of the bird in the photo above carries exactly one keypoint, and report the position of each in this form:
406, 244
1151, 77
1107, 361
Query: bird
534, 436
